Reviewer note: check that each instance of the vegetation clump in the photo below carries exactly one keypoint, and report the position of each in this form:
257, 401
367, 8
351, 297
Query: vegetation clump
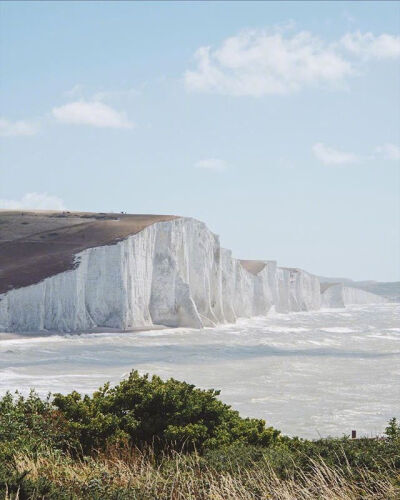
148, 438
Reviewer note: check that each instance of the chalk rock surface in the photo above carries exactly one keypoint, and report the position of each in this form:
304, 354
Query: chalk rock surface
339, 295
172, 272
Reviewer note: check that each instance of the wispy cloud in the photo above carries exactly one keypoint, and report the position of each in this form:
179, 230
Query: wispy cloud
34, 201
368, 46
76, 92
93, 113
81, 93
17, 128
212, 164
80, 111
262, 62
388, 151
331, 156
257, 63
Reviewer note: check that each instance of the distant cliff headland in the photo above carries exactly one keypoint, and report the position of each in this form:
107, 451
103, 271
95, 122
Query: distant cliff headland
74, 271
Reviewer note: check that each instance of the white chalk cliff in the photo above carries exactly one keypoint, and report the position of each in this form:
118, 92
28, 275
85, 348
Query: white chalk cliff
338, 295
171, 273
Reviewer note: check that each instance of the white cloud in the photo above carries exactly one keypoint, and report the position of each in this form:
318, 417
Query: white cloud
18, 128
94, 113
75, 93
34, 201
80, 92
369, 46
388, 151
212, 164
256, 63
331, 156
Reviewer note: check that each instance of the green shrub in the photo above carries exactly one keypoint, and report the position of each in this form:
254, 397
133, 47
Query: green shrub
392, 431
29, 424
111, 444
168, 413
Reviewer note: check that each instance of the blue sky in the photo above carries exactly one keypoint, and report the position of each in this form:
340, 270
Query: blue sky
275, 123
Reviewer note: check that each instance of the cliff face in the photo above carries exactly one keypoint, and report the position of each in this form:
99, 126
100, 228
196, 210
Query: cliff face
338, 295
389, 290
171, 273
37, 245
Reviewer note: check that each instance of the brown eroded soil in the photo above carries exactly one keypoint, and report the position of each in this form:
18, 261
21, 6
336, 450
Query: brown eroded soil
36, 245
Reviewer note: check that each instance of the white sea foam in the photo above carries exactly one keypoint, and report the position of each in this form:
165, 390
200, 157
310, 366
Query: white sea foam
308, 373
287, 329
339, 329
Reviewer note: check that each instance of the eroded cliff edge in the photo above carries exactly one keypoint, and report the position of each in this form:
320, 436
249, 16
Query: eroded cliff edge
171, 271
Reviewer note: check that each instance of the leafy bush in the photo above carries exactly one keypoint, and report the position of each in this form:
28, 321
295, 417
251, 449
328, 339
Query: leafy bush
145, 410
29, 423
392, 431
140, 410
120, 442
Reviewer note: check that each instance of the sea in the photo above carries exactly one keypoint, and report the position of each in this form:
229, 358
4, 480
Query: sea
310, 374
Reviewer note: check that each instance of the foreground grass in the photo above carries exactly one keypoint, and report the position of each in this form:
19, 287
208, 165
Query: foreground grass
149, 439
137, 475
